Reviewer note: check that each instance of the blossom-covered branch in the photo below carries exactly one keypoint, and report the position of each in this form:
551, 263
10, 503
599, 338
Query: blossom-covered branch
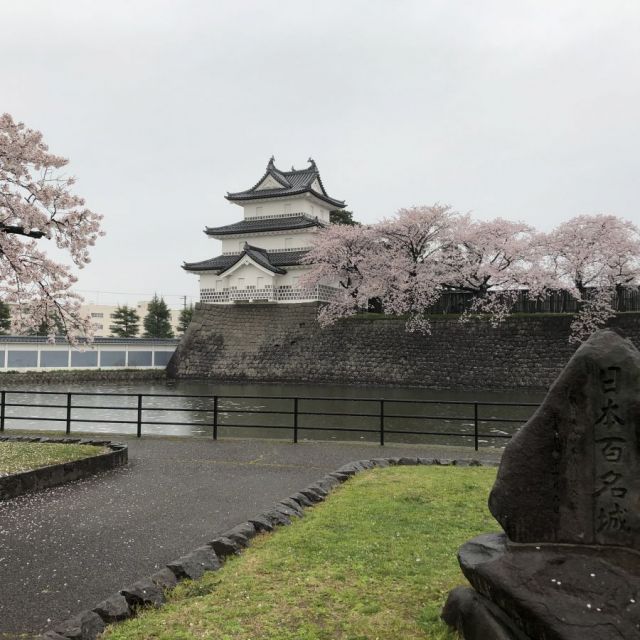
37, 204
409, 261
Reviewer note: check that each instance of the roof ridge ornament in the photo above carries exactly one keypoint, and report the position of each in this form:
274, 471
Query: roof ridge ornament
296, 182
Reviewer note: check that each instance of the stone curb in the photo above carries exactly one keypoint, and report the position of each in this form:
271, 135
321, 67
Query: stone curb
150, 592
17, 484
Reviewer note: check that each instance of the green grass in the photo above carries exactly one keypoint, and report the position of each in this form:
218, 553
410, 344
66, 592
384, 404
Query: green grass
375, 562
23, 456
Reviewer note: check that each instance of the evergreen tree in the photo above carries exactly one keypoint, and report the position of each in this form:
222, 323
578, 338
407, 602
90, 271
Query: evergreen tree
44, 327
157, 322
185, 318
342, 216
126, 322
5, 318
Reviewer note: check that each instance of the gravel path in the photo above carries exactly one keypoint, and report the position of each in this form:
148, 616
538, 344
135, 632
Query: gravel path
65, 549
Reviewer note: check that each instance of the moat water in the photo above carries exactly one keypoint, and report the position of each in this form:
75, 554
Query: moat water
185, 408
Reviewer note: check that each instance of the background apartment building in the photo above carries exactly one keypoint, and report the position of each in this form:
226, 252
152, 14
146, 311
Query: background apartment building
101, 317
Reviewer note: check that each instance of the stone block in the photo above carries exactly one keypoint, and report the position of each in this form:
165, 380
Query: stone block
194, 564
144, 593
312, 495
477, 618
87, 625
290, 512
302, 500
290, 503
113, 609
262, 523
246, 530
225, 546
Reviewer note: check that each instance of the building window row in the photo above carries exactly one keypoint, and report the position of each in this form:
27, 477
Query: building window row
28, 358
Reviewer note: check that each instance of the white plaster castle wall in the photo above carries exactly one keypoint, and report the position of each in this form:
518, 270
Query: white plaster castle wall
277, 242
250, 276
311, 206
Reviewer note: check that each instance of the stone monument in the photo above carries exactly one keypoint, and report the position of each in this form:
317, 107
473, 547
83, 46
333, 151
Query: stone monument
567, 495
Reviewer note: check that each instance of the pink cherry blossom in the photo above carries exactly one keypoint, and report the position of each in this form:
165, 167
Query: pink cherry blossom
36, 206
409, 260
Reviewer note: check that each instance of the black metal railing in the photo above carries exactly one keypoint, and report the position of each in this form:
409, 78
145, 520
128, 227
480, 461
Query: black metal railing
385, 416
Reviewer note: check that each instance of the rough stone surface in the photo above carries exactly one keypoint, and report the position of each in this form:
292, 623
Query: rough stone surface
312, 494
274, 517
572, 473
383, 462
477, 618
20, 378
290, 503
246, 530
224, 546
113, 609
302, 500
164, 578
557, 591
144, 593
567, 496
194, 564
283, 343
85, 626
262, 523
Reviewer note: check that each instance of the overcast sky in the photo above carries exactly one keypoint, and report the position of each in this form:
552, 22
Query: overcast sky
526, 109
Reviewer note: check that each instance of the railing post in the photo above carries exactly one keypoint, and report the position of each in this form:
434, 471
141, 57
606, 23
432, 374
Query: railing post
215, 417
475, 425
382, 423
2, 409
295, 420
68, 429
139, 431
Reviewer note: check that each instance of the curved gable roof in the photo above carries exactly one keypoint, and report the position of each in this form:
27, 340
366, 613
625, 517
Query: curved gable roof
294, 182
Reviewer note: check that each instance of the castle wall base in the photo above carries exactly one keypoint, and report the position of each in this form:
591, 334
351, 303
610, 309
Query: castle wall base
283, 343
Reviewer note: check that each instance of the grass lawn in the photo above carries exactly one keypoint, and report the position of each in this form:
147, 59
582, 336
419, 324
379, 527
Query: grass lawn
23, 456
375, 562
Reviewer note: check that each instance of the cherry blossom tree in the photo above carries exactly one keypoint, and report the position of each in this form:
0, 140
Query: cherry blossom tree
409, 260
37, 205
342, 255
397, 261
593, 257
494, 260
409, 278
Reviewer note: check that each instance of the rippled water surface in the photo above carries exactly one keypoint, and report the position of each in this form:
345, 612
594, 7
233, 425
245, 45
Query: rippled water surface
267, 410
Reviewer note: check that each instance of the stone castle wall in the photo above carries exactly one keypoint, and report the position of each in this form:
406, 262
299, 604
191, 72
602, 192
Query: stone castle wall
57, 376
283, 343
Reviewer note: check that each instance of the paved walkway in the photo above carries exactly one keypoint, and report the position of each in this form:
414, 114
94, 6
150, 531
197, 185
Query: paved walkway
65, 549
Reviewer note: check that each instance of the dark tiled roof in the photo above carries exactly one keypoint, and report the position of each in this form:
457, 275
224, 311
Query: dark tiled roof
268, 224
272, 260
294, 182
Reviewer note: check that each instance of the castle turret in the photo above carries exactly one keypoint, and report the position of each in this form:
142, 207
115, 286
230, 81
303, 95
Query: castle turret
262, 254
